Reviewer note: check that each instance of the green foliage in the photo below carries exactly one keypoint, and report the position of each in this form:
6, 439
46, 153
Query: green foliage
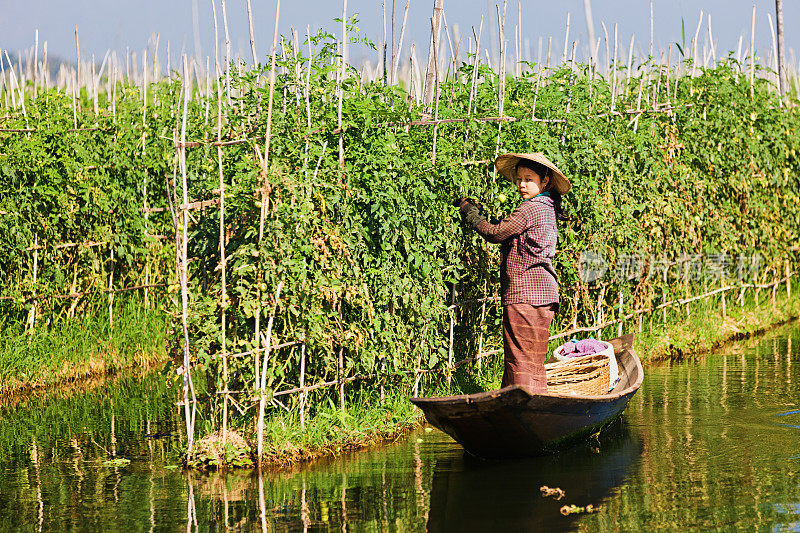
371, 252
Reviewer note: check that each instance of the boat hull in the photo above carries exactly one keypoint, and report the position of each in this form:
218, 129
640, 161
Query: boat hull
514, 422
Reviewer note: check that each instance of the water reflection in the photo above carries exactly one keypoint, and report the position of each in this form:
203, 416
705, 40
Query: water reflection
717, 452
473, 495
711, 444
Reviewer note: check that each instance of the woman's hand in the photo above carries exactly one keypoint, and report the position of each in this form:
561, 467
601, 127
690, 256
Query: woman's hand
461, 204
469, 209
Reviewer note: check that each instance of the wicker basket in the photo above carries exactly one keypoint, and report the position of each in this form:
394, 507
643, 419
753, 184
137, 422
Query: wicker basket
590, 374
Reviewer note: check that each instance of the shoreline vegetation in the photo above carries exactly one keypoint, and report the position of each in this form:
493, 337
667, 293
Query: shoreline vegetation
58, 355
87, 349
296, 238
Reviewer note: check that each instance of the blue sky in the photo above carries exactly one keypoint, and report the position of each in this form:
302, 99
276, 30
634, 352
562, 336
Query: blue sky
116, 25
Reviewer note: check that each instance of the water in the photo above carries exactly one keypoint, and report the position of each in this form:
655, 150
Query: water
713, 444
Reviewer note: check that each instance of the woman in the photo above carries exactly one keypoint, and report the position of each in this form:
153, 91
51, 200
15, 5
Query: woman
529, 285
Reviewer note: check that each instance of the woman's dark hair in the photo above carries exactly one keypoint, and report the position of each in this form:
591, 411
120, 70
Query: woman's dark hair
545, 171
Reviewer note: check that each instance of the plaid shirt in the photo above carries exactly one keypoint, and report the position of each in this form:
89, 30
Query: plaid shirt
527, 240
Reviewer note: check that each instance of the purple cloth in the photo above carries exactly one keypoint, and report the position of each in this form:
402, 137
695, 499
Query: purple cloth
582, 347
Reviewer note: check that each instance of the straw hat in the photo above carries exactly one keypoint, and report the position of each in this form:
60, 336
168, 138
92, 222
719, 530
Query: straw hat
506, 164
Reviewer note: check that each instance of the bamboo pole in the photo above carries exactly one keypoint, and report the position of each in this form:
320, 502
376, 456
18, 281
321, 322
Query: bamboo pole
739, 53
621, 314
536, 94
450, 351
587, 8
32, 312
222, 259
264, 363
608, 52
342, 70
3, 83
711, 44
501, 82
396, 61
265, 175
303, 395
144, 195
483, 318
519, 39
630, 66
183, 262
599, 316
788, 282
252, 34
436, 91
341, 380
774, 290
114, 83
228, 52
549, 47
772, 58
392, 81
752, 53
614, 72
476, 61
111, 290
74, 102
156, 65
94, 88
651, 29
569, 97
566, 43
382, 47
784, 87
427, 98
78, 66
35, 63
669, 64
724, 308
382, 374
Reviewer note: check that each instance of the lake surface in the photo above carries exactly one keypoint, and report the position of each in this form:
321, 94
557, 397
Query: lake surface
712, 444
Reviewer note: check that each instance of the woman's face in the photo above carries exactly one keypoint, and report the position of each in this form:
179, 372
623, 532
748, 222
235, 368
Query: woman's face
529, 183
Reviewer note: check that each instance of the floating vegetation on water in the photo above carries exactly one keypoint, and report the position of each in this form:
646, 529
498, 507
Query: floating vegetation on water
555, 492
574, 509
214, 451
117, 463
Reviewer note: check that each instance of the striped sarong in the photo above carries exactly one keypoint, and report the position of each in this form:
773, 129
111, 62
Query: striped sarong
526, 329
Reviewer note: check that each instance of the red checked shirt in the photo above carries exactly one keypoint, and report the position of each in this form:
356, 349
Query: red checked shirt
527, 240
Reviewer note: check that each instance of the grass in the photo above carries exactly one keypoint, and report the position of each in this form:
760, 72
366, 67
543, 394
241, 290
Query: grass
82, 347
705, 329
330, 432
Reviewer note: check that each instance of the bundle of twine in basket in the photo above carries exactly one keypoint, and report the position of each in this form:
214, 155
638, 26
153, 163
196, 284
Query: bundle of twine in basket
582, 375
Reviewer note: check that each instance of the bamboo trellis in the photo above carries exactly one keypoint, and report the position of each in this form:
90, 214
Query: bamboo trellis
452, 366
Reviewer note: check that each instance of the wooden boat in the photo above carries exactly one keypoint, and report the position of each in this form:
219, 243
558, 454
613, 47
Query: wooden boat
514, 422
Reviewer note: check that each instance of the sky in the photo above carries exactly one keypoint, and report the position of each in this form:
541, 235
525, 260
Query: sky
117, 25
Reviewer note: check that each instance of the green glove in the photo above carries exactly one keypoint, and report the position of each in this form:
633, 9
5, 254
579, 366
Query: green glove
470, 214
